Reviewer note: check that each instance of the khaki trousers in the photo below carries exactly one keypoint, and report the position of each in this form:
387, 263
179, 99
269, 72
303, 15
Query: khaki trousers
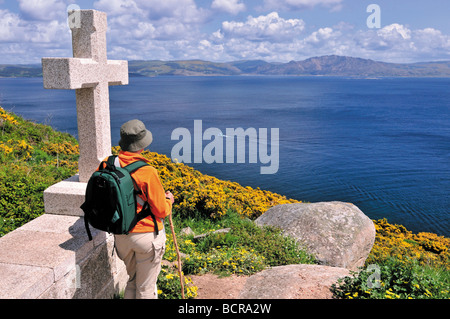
142, 254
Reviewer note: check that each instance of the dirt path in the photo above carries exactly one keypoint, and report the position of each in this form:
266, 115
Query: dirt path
212, 287
285, 282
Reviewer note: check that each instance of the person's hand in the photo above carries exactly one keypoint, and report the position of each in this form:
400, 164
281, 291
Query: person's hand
169, 195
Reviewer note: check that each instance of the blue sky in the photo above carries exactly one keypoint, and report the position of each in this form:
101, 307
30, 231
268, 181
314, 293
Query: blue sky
229, 30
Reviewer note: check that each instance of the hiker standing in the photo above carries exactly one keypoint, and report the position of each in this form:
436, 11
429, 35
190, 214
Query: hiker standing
142, 249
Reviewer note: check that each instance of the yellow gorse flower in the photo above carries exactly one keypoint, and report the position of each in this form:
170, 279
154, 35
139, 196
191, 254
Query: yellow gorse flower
396, 241
19, 148
211, 196
5, 149
64, 148
6, 117
170, 276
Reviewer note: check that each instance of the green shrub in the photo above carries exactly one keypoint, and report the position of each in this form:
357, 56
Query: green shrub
245, 250
26, 169
276, 248
395, 280
169, 286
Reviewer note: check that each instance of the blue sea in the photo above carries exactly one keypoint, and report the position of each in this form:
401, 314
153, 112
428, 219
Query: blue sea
382, 144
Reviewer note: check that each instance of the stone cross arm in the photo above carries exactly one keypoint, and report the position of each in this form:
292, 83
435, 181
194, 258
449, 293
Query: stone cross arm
79, 73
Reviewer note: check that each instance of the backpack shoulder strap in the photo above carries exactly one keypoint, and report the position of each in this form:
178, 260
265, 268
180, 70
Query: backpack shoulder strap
111, 160
108, 163
130, 168
146, 211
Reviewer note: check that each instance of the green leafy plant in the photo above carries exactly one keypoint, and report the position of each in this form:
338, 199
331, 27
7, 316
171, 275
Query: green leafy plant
169, 286
397, 280
27, 168
244, 250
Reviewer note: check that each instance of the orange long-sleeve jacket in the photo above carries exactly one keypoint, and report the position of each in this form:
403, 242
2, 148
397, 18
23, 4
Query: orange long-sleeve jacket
147, 179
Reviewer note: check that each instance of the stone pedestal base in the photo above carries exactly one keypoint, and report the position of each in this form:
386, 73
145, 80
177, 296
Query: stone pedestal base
65, 198
52, 258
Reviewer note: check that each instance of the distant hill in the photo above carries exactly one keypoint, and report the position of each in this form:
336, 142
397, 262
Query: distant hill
334, 65
20, 70
330, 65
187, 68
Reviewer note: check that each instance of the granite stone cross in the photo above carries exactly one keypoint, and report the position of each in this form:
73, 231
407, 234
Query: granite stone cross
89, 73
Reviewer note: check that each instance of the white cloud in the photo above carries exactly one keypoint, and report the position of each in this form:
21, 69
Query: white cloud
172, 29
44, 10
301, 4
431, 38
270, 27
393, 43
397, 43
393, 38
117, 7
136, 23
181, 29
430, 43
268, 37
323, 34
185, 11
143, 31
9, 23
23, 41
16, 30
230, 6
394, 32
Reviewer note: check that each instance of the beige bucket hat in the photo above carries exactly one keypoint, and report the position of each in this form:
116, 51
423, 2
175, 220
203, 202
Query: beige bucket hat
134, 136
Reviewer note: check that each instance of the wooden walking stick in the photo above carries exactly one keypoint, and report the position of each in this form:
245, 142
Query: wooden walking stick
178, 256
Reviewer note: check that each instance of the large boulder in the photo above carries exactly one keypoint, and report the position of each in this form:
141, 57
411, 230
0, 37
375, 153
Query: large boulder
338, 234
293, 282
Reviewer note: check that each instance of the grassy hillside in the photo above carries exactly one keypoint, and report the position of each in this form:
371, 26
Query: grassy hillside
33, 157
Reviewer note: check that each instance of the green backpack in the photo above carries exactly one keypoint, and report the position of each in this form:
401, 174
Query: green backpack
111, 199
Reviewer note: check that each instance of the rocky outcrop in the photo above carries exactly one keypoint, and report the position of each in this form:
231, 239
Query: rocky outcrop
293, 282
337, 233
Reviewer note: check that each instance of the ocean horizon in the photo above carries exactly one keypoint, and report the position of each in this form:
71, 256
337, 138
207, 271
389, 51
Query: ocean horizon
382, 144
